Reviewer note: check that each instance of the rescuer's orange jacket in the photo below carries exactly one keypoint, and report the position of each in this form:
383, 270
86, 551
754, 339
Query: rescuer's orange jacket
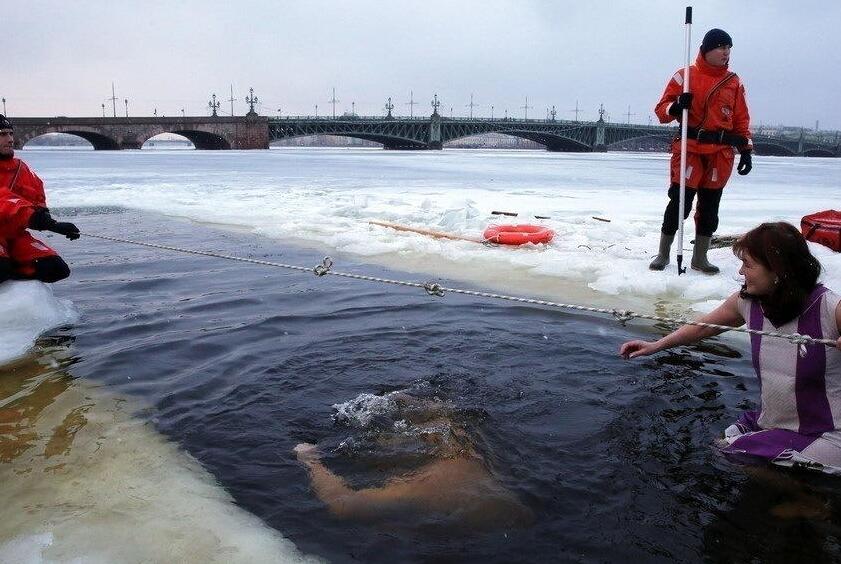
21, 193
718, 104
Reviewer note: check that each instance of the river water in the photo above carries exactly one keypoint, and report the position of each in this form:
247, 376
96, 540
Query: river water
156, 420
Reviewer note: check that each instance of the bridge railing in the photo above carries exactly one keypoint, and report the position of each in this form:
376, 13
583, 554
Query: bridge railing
451, 119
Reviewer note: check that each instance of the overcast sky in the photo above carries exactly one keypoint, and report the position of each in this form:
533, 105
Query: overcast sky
60, 57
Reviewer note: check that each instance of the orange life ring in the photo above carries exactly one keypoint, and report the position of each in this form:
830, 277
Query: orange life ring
517, 234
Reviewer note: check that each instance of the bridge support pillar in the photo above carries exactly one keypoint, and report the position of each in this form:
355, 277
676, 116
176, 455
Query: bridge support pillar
252, 134
434, 141
599, 146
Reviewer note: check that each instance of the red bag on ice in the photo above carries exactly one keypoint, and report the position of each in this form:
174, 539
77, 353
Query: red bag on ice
824, 228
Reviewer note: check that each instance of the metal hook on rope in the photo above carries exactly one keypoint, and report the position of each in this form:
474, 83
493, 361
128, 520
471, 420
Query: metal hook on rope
801, 341
324, 267
623, 315
433, 289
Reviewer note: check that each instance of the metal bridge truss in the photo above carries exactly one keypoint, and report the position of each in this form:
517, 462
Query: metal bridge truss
419, 133
392, 133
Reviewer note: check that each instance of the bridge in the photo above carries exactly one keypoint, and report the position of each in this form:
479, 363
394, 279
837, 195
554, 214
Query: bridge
408, 133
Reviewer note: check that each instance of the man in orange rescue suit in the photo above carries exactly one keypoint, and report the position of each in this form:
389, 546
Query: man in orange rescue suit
23, 206
718, 122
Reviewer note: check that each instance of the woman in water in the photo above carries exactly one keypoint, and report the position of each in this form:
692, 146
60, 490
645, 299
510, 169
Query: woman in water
452, 486
799, 420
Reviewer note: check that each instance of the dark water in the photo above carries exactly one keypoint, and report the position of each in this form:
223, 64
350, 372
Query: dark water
242, 362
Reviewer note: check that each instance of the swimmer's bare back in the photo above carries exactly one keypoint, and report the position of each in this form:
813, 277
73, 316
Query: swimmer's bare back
459, 489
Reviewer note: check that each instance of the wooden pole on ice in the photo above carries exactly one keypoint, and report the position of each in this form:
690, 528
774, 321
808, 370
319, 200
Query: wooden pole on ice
429, 232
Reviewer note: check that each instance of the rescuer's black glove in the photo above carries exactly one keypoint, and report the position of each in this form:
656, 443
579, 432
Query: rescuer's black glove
683, 102
41, 220
745, 163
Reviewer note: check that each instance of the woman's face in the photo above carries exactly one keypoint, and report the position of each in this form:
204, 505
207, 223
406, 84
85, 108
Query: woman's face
759, 281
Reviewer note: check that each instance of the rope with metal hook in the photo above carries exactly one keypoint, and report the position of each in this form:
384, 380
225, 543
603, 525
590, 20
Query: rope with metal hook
435, 289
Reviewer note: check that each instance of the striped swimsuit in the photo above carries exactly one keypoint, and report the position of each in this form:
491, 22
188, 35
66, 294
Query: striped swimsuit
799, 420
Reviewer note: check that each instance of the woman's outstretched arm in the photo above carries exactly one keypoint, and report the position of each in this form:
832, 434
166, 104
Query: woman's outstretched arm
725, 314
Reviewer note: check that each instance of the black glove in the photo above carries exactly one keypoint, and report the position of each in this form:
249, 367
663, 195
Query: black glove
683, 102
67, 229
745, 163
41, 220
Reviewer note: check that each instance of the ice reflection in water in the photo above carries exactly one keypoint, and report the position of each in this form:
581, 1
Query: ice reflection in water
83, 480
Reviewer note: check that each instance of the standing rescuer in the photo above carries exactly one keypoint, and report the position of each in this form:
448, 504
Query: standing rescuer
718, 122
23, 206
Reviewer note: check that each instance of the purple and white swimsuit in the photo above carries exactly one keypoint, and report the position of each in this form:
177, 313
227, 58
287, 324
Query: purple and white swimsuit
799, 420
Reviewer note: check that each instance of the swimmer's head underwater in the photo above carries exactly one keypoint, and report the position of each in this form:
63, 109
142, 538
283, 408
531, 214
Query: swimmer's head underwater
452, 483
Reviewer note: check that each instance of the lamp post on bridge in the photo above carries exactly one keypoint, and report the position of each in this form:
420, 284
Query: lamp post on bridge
316, 110
126, 101
435, 105
103, 109
213, 105
388, 107
492, 111
183, 113
553, 113
251, 100
4, 106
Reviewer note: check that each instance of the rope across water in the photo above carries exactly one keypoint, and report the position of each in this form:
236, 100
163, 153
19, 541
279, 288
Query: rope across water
434, 289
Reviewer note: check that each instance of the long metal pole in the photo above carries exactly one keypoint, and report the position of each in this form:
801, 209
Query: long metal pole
113, 99
684, 122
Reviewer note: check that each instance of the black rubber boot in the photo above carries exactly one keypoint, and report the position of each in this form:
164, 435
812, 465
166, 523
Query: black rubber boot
51, 269
6, 270
662, 258
699, 256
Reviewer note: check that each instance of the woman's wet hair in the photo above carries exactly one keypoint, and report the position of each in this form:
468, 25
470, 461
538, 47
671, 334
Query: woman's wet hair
406, 429
782, 249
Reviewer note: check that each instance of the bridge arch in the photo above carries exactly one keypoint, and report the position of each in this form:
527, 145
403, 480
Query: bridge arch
387, 141
772, 149
163, 138
56, 140
200, 139
204, 140
818, 153
495, 139
650, 141
99, 141
551, 142
305, 140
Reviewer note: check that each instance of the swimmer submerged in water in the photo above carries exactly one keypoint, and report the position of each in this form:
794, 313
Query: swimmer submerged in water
454, 486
